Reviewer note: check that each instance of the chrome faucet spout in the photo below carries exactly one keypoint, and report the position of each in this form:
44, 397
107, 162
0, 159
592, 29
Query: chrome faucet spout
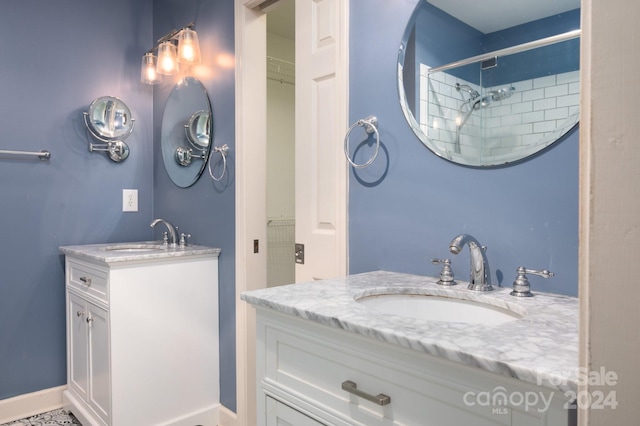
171, 229
480, 278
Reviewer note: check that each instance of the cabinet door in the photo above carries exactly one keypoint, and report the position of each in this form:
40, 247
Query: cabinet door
78, 345
279, 414
99, 369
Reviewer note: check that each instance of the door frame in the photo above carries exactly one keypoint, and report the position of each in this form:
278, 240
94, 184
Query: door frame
251, 200
250, 204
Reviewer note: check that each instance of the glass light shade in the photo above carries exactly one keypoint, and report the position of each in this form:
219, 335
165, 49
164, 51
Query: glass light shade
148, 73
188, 47
167, 59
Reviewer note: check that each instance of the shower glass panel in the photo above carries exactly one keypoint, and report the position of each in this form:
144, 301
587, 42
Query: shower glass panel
501, 110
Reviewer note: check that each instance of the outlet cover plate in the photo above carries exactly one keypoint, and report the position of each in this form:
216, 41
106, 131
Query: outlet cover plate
129, 200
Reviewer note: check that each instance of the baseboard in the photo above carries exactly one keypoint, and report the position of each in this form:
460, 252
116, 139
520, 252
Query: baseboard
30, 404
227, 417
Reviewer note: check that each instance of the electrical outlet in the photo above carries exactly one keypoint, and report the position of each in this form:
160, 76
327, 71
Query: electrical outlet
129, 200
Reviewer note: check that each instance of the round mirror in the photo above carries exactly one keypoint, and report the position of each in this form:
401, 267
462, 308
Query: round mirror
109, 119
481, 88
187, 128
197, 129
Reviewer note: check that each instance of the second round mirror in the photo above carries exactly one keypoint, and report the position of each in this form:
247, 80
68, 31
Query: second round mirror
187, 128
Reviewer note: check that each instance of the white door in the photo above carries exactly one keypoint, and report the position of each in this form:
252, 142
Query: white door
321, 121
321, 195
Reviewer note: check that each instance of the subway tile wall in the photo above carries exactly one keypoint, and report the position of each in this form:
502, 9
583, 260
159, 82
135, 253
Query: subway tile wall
536, 114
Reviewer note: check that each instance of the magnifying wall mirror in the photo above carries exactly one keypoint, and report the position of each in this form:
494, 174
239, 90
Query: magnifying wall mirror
109, 120
187, 129
197, 129
484, 84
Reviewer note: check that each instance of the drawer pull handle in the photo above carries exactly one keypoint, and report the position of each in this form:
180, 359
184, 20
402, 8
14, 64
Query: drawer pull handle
86, 280
89, 320
380, 399
80, 313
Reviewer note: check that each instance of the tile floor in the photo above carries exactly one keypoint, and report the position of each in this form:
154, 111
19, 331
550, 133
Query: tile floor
52, 418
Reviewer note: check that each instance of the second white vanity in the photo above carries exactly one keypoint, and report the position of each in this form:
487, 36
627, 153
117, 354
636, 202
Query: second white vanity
142, 334
323, 357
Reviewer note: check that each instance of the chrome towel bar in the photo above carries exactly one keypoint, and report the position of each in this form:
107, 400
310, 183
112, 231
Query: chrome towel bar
43, 155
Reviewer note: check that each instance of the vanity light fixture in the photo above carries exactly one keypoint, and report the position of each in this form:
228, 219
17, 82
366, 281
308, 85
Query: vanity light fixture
188, 46
148, 72
178, 46
167, 58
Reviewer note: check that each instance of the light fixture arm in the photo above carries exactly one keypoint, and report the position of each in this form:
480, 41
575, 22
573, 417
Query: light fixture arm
171, 35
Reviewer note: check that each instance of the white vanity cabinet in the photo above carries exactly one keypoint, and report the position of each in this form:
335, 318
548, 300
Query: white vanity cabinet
88, 354
302, 365
142, 338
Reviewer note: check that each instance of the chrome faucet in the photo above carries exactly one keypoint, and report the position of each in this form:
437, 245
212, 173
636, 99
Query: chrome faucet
480, 278
171, 241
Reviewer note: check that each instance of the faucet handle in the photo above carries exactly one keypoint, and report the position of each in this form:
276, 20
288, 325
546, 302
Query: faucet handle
183, 239
446, 274
165, 238
521, 286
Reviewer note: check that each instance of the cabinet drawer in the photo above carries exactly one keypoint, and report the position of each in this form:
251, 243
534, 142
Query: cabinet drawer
306, 364
89, 279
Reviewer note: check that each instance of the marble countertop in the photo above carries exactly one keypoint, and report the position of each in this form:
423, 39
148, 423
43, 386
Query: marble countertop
540, 348
135, 251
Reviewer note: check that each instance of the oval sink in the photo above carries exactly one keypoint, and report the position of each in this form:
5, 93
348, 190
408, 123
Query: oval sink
435, 308
134, 248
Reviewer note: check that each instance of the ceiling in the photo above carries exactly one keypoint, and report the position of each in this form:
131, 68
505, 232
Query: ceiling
489, 16
281, 19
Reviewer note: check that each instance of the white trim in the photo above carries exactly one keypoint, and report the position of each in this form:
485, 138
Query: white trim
251, 131
586, 184
227, 417
30, 404
252, 4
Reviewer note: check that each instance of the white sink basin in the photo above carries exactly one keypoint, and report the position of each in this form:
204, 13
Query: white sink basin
435, 308
136, 248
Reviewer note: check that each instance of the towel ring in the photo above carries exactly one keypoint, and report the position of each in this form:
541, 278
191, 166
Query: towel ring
370, 124
224, 151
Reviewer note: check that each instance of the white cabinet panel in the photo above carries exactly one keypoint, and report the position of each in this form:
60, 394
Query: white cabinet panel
304, 364
279, 414
89, 372
78, 338
99, 369
88, 279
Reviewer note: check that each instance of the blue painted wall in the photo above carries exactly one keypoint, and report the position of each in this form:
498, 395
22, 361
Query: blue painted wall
406, 207
76, 198
207, 209
553, 59
444, 39
456, 41
56, 58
